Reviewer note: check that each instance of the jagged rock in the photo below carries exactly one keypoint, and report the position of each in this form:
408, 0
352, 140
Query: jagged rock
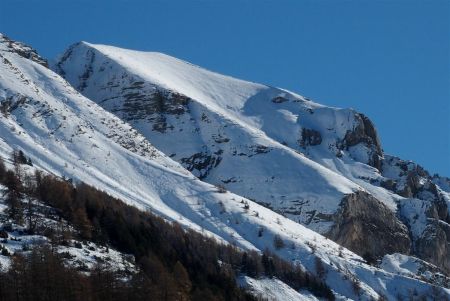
259, 149
310, 137
434, 245
416, 183
201, 164
365, 132
366, 226
3, 234
9, 104
23, 50
442, 210
279, 99
389, 184
88, 71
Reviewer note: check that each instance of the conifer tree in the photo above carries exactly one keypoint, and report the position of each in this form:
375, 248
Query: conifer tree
14, 197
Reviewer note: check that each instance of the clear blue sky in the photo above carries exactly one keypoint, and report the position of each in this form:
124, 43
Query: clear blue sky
387, 59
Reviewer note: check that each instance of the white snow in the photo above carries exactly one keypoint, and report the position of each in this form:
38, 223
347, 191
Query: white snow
234, 109
274, 290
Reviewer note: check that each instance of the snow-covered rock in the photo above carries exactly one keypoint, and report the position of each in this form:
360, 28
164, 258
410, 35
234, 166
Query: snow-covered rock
274, 290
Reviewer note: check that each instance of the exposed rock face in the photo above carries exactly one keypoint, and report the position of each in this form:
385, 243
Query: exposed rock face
310, 137
23, 50
140, 103
434, 245
201, 164
406, 178
279, 99
412, 181
9, 104
366, 226
365, 132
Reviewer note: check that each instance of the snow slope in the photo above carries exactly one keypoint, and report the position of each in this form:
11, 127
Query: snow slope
274, 289
270, 145
67, 134
221, 129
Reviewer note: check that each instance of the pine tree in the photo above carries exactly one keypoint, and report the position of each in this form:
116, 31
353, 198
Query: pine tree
183, 282
278, 242
14, 197
2, 170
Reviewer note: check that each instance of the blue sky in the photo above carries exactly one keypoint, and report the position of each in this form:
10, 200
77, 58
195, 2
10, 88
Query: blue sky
387, 59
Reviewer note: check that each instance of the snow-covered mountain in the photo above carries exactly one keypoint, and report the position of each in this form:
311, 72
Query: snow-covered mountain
320, 166
174, 129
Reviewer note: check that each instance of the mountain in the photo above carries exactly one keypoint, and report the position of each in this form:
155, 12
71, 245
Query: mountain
320, 166
167, 137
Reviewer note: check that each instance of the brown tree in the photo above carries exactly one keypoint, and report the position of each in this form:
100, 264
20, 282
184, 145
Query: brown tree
14, 197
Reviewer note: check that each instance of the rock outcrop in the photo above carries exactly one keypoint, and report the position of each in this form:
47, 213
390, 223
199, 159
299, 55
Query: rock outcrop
366, 226
310, 137
434, 245
365, 132
23, 50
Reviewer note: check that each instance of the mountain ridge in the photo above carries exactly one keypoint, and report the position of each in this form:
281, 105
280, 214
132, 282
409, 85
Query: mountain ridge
171, 190
341, 140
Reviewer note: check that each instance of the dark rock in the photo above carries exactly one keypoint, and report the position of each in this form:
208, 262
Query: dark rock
366, 226
365, 132
259, 149
3, 234
88, 71
434, 245
220, 138
23, 50
389, 184
279, 99
310, 137
201, 164
9, 104
146, 103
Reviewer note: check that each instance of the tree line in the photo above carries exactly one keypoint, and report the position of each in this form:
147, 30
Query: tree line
174, 263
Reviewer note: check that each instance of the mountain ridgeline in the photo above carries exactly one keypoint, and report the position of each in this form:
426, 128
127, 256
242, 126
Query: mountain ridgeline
262, 172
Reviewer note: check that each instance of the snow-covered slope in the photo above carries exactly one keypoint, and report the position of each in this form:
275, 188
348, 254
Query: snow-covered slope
67, 134
300, 158
82, 255
273, 290
226, 131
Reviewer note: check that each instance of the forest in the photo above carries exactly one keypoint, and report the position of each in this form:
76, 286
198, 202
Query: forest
173, 263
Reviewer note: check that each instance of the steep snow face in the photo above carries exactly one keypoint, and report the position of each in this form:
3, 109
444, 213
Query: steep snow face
108, 74
273, 146
242, 135
66, 134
